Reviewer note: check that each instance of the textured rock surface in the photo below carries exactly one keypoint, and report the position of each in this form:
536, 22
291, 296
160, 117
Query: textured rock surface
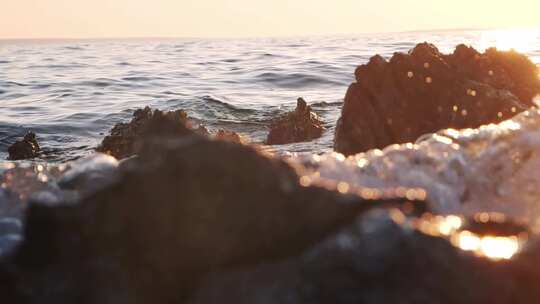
397, 101
228, 135
182, 208
375, 260
300, 125
126, 139
26, 148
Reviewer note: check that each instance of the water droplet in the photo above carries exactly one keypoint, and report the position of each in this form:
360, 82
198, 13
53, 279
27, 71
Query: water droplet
343, 187
410, 74
426, 65
429, 80
500, 114
305, 181
340, 157
464, 112
490, 73
455, 108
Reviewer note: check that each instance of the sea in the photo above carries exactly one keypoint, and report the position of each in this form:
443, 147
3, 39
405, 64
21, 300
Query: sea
71, 92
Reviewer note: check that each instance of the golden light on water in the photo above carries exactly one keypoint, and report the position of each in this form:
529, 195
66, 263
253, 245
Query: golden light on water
521, 40
499, 247
493, 247
467, 241
489, 246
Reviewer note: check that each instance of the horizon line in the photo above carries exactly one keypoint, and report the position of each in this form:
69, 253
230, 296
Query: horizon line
265, 36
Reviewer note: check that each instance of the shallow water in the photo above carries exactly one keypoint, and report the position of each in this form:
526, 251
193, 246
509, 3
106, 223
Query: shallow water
72, 92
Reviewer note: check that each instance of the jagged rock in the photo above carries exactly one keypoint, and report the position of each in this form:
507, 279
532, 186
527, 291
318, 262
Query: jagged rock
126, 138
182, 208
26, 148
300, 125
228, 135
424, 91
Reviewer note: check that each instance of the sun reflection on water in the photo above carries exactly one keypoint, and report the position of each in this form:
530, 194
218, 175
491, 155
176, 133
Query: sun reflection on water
521, 40
494, 247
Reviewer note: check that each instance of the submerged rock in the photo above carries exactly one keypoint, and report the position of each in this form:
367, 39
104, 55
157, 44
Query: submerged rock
182, 208
26, 148
424, 91
300, 125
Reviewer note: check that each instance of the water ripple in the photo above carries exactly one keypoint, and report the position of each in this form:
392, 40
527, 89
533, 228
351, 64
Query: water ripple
73, 92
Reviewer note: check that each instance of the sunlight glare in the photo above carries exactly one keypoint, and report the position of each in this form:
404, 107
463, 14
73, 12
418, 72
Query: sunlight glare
521, 40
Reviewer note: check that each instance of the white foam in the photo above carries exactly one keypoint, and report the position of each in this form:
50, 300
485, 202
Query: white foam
492, 168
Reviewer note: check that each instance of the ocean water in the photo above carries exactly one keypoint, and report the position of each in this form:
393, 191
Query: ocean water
71, 92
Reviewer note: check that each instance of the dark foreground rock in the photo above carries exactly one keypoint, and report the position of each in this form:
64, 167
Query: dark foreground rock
375, 260
26, 148
300, 125
181, 209
126, 139
399, 100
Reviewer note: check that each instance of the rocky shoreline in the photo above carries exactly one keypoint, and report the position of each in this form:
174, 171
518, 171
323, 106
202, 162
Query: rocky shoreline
194, 216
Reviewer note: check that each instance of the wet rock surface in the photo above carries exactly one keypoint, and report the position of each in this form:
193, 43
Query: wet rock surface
181, 209
300, 125
397, 101
375, 260
126, 139
228, 135
194, 220
27, 148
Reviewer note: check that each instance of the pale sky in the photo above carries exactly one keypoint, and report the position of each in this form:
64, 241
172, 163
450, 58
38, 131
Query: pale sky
253, 18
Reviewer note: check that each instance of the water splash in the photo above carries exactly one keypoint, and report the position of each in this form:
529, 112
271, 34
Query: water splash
492, 168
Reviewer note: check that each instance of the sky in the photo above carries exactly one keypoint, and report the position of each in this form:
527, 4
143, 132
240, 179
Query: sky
253, 18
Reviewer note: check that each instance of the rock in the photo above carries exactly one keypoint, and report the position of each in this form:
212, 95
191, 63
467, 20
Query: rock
126, 138
231, 136
376, 260
301, 125
182, 208
24, 149
89, 174
424, 91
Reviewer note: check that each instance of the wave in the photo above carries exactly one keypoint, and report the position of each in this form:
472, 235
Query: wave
243, 84
73, 48
12, 84
231, 60
296, 80
325, 104
140, 78
489, 169
221, 103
